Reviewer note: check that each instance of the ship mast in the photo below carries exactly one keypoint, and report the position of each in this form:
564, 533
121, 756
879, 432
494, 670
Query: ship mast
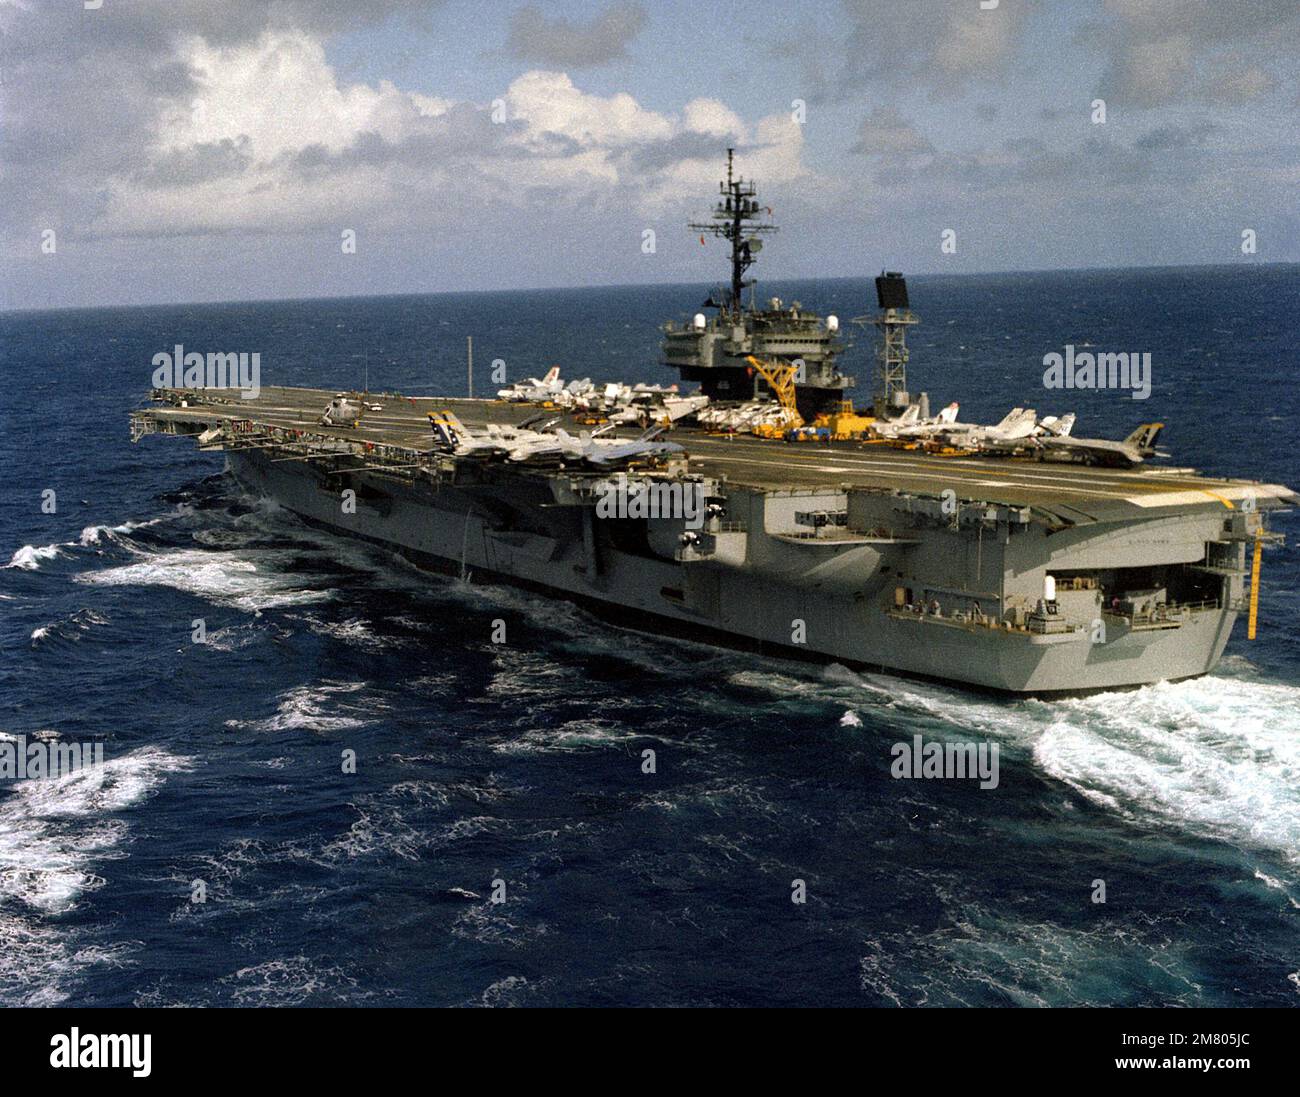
892, 321
738, 219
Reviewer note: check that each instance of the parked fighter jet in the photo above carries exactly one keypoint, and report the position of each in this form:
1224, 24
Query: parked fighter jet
1016, 424
911, 425
549, 388
346, 411
647, 408
616, 395
1136, 448
494, 440
745, 417
533, 387
1049, 426
608, 451
573, 393
592, 448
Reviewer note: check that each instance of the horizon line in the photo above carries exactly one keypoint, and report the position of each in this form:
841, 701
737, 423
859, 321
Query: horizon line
631, 286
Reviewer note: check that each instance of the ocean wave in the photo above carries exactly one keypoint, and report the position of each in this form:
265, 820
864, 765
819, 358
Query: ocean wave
71, 628
434, 685
1275, 884
513, 990
1217, 756
987, 958
96, 535
388, 828
222, 537
236, 885
29, 557
55, 831
571, 736
321, 707
292, 981
354, 632
246, 581
518, 674
497, 923
40, 963
236, 637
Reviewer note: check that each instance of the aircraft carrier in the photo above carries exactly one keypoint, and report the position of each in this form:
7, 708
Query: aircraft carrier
989, 570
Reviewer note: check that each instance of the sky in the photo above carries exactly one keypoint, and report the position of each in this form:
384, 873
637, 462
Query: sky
157, 151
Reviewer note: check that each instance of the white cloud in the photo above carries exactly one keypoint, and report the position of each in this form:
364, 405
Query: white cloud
712, 117
550, 103
971, 42
281, 94
271, 141
242, 125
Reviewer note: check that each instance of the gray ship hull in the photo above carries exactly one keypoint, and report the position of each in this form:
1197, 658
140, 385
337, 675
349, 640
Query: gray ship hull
1011, 575
796, 596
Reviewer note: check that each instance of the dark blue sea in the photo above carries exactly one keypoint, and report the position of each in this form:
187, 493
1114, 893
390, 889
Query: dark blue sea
522, 762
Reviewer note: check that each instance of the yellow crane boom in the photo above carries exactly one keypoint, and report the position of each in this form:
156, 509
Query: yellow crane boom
780, 378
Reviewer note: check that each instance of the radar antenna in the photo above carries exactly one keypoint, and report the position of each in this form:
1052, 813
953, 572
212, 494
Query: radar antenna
892, 321
738, 219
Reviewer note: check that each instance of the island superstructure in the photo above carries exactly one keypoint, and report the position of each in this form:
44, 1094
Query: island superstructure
996, 572
715, 351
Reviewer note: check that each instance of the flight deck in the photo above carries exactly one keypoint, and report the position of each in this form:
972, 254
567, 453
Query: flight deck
1075, 494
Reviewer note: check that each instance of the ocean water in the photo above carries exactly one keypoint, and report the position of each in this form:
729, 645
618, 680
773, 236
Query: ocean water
522, 762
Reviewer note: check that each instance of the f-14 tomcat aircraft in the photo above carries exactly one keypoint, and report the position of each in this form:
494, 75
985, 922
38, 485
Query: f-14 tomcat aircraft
1021, 433
1018, 423
1058, 445
658, 407
534, 388
610, 451
494, 440
590, 447
523, 444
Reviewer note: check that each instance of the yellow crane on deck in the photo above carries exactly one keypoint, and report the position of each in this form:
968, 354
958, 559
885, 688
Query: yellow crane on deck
780, 379
780, 376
